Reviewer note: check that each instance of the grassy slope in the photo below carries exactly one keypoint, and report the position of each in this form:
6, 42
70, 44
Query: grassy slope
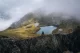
21, 32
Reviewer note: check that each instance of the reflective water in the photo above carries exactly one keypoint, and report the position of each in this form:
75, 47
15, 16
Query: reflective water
46, 30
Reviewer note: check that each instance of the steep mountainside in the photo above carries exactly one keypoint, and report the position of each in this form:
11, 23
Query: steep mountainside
62, 21
26, 30
48, 19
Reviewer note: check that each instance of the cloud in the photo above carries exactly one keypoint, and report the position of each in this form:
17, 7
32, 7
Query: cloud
13, 10
67, 6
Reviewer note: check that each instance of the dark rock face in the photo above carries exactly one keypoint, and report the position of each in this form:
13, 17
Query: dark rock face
43, 44
71, 42
39, 45
8, 46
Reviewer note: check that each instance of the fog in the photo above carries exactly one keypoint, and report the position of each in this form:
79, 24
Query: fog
13, 10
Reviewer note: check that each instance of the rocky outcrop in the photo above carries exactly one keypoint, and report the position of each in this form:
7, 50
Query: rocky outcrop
43, 44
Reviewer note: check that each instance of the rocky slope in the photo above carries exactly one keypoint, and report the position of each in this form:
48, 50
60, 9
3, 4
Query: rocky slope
43, 44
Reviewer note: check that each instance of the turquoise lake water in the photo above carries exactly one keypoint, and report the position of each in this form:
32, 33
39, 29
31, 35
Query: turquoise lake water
46, 30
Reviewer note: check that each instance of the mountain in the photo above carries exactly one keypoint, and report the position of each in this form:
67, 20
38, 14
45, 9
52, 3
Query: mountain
26, 26
21, 21
67, 26
47, 19
26, 30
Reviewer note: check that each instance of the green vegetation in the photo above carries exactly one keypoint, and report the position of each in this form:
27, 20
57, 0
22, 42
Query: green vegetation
25, 28
24, 31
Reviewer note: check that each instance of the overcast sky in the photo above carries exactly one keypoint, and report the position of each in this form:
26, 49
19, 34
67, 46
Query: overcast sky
12, 10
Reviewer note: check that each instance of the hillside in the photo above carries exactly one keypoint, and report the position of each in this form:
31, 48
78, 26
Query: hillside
67, 26
61, 21
47, 19
26, 30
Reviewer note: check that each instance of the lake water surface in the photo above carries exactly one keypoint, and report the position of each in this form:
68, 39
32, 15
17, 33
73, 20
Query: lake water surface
46, 30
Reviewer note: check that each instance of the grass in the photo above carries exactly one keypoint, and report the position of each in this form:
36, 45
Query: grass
25, 31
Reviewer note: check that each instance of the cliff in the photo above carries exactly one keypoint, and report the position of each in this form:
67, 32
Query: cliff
43, 44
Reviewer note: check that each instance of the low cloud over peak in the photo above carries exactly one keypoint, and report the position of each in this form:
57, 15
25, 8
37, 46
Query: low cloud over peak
14, 10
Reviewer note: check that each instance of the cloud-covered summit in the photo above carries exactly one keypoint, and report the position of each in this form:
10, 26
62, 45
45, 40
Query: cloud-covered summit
13, 10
